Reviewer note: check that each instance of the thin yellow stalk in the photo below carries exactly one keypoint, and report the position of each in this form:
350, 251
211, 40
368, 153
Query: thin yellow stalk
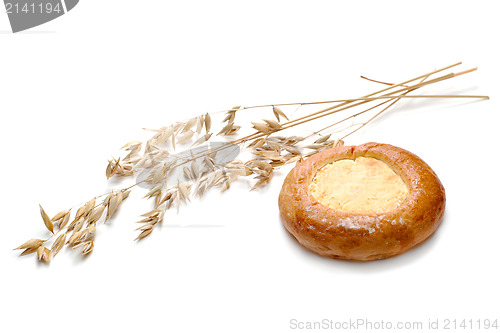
347, 104
381, 111
369, 95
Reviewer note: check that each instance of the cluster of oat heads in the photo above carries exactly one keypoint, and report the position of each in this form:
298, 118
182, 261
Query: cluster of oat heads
183, 160
230, 128
199, 167
77, 234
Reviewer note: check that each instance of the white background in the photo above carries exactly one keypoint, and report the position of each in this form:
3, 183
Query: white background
74, 90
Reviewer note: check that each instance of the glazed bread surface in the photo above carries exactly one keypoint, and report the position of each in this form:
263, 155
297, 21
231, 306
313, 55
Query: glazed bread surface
358, 235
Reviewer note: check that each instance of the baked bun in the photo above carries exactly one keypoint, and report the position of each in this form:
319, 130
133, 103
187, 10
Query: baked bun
365, 202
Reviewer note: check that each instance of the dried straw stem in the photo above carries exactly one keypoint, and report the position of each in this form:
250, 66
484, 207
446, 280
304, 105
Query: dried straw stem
348, 103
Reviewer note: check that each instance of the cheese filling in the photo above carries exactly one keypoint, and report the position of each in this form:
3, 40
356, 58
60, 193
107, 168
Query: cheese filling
365, 185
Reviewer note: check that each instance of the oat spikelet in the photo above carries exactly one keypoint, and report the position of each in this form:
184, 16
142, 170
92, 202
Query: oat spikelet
31, 244
257, 143
125, 194
208, 122
187, 173
159, 174
89, 206
184, 190
145, 227
58, 244
166, 198
189, 124
76, 238
261, 127
145, 232
64, 221
88, 247
152, 212
204, 138
185, 137
80, 212
96, 215
90, 233
277, 113
110, 171
173, 141
60, 215
274, 125
108, 199
28, 251
78, 225
323, 138
158, 197
131, 144
44, 254
46, 220
292, 149
114, 203
262, 181
195, 169
227, 129
200, 122
338, 143
165, 135
148, 219
154, 191
231, 114
314, 146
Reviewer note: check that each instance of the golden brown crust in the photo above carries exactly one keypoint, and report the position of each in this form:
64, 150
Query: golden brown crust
352, 236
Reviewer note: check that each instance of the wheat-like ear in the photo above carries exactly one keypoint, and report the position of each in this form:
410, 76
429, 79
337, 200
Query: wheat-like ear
88, 247
46, 220
31, 244
44, 254
60, 215
278, 113
58, 244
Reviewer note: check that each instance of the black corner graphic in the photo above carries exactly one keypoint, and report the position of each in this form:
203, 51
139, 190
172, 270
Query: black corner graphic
70, 4
26, 14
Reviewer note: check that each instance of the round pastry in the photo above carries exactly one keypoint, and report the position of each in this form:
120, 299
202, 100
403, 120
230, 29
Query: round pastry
365, 202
